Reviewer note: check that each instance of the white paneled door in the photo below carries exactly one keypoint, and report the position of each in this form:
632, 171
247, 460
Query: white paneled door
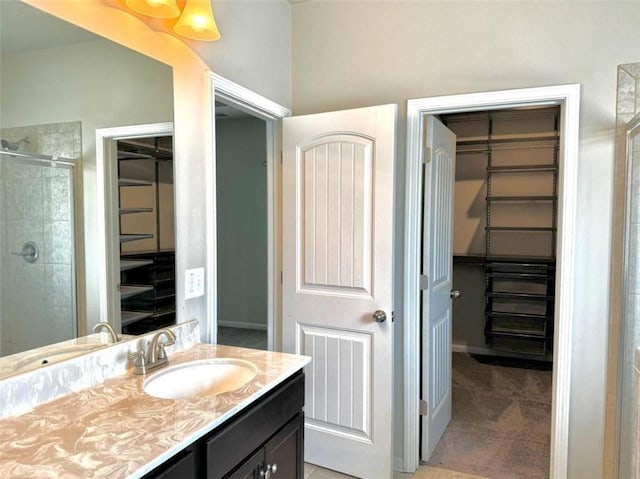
338, 180
437, 268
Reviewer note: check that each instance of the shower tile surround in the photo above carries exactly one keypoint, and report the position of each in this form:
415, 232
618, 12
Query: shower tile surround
96, 431
628, 104
35, 204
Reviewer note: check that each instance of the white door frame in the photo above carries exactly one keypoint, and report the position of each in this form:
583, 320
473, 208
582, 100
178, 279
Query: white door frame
108, 224
272, 113
568, 97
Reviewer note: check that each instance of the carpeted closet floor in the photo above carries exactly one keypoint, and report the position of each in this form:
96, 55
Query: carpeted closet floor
501, 421
244, 338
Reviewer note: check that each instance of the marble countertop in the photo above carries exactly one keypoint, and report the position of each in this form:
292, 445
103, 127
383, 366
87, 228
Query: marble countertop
116, 430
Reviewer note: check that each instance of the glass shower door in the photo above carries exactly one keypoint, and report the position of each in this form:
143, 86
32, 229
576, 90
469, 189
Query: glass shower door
37, 253
629, 384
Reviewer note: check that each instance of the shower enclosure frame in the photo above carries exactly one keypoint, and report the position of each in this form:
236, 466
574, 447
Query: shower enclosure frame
627, 460
76, 224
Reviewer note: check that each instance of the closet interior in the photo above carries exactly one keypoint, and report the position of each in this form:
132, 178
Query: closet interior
147, 234
505, 221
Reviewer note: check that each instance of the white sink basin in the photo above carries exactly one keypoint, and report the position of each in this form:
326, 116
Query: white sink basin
56, 355
206, 377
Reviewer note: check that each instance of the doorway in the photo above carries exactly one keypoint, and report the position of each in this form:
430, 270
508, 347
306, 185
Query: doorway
567, 97
146, 209
127, 142
504, 241
241, 189
232, 97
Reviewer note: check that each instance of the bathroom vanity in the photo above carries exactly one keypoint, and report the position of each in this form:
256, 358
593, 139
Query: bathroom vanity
264, 440
113, 428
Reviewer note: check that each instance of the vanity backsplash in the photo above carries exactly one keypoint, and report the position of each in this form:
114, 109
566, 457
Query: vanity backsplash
23, 391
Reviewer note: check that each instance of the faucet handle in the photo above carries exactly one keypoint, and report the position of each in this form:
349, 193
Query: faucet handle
162, 354
139, 362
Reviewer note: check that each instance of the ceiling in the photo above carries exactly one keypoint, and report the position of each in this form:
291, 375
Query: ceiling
24, 28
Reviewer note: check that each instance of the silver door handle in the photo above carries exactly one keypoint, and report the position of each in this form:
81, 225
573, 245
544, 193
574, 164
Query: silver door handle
379, 316
454, 294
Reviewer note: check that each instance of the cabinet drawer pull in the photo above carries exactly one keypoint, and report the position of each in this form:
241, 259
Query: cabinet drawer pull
269, 470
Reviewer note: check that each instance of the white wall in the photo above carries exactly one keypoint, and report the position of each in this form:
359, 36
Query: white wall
255, 46
241, 189
352, 54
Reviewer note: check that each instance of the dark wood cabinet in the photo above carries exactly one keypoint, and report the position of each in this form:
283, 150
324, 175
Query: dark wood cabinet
180, 466
264, 441
279, 458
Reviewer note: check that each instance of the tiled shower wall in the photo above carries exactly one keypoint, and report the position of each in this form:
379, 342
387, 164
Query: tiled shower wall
628, 105
37, 300
628, 108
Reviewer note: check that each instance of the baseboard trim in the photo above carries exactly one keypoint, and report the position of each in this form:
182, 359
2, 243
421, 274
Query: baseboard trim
398, 465
463, 348
243, 325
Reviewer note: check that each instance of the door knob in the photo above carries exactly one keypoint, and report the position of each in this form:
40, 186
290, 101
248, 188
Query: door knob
379, 316
454, 294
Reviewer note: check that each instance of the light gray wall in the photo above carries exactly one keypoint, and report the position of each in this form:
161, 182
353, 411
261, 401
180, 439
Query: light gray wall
255, 46
101, 84
467, 329
241, 189
353, 54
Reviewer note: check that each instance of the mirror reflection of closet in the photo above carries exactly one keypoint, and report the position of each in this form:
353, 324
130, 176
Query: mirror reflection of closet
147, 234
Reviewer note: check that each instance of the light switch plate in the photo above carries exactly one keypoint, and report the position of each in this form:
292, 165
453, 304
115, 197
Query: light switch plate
194, 283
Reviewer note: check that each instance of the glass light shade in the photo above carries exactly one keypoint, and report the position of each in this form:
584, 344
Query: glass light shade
155, 8
197, 22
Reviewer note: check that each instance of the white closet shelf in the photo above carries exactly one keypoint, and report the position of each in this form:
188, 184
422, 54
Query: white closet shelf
129, 211
128, 317
128, 290
125, 238
127, 264
133, 182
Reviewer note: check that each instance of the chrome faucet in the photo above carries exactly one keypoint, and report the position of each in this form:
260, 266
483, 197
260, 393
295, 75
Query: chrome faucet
156, 355
109, 328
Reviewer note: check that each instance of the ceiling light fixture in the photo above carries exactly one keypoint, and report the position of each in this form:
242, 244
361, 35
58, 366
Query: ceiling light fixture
195, 22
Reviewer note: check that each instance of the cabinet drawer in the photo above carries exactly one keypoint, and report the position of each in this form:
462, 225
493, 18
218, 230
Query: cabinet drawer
240, 437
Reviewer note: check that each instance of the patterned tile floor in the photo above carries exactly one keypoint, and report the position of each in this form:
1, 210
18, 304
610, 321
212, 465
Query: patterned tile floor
425, 472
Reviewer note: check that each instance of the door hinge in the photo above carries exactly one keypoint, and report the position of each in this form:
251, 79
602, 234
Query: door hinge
424, 408
281, 156
424, 282
393, 316
281, 277
426, 158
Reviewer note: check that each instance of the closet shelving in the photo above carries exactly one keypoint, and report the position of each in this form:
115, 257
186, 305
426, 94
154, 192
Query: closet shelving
147, 278
154, 307
519, 274
520, 148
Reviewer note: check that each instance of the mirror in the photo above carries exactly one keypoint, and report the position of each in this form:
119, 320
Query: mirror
59, 84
